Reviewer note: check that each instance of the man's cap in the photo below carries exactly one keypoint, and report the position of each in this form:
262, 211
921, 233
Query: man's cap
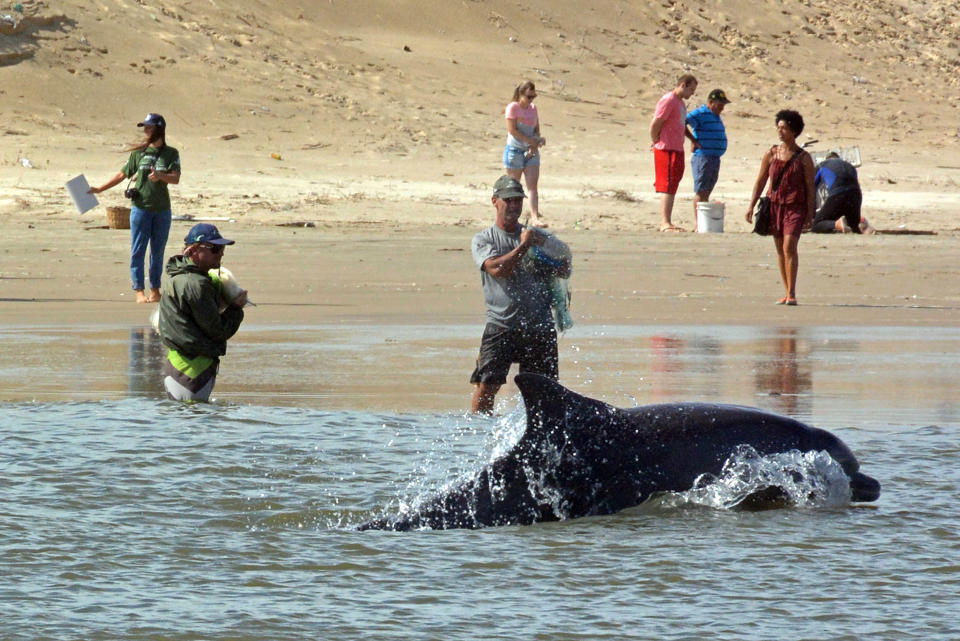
205, 233
155, 120
508, 187
719, 96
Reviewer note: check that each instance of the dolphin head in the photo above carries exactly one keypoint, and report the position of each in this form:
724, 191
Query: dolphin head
862, 487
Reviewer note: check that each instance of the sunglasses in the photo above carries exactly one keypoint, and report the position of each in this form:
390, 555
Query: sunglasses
213, 249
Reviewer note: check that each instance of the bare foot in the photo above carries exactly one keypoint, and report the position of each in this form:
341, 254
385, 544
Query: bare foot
866, 228
141, 297
535, 221
671, 228
154, 296
842, 226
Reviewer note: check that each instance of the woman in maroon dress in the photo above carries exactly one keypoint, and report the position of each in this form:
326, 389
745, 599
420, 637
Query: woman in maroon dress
791, 170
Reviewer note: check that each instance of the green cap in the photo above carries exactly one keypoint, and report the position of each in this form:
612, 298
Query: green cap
507, 187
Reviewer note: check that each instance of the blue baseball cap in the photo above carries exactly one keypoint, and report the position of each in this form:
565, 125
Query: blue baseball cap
154, 120
205, 233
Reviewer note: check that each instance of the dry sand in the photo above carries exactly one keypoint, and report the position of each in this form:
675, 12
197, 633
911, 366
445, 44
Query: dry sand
387, 121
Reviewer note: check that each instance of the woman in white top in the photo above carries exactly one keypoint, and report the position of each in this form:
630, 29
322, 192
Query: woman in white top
522, 153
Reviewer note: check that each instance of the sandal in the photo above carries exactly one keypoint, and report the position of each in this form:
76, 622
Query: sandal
782, 301
791, 301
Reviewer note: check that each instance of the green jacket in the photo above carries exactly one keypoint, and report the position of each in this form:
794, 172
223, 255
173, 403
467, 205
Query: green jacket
190, 319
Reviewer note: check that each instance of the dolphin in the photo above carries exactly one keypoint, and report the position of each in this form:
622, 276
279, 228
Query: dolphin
580, 457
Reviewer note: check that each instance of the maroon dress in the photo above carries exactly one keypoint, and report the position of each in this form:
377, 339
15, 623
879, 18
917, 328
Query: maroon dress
789, 214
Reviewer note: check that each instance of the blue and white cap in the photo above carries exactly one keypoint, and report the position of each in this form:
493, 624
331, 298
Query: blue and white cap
154, 120
205, 233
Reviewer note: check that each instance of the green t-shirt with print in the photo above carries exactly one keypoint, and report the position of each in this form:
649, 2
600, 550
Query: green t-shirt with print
154, 196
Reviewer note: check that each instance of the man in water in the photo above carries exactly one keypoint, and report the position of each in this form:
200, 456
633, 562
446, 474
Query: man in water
191, 323
519, 325
840, 211
667, 131
709, 143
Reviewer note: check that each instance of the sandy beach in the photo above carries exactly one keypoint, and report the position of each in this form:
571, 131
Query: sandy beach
351, 148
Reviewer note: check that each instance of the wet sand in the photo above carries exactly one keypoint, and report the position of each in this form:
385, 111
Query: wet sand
796, 371
62, 273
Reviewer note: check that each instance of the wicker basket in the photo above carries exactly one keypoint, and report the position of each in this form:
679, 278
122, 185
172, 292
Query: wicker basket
118, 217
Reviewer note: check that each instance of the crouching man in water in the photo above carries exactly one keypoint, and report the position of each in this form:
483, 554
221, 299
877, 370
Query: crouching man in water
191, 323
519, 325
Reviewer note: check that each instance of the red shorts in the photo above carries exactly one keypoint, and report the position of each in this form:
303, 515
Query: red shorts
669, 168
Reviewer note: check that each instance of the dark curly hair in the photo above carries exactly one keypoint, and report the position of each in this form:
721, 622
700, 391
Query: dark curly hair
793, 119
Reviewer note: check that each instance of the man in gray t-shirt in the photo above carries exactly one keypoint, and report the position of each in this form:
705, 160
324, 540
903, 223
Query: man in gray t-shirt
519, 325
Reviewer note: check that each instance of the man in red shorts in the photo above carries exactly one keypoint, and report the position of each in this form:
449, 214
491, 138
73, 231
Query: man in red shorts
667, 131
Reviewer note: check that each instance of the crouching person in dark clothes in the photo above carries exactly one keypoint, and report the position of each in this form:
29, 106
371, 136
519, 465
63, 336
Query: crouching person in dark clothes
191, 322
519, 325
840, 211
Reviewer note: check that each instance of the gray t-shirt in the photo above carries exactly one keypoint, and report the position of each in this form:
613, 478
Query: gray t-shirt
522, 299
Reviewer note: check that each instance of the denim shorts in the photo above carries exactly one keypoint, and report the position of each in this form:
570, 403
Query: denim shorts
514, 158
706, 170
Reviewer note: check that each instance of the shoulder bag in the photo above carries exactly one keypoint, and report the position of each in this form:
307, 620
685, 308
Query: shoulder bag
761, 217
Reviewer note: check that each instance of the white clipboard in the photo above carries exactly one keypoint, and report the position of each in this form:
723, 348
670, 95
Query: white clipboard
78, 189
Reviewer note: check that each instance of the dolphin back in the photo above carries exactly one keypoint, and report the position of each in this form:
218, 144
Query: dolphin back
615, 458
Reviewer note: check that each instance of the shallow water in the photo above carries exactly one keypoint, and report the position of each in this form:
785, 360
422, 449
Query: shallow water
137, 518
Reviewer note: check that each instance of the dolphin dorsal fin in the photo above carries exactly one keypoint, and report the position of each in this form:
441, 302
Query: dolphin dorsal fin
553, 410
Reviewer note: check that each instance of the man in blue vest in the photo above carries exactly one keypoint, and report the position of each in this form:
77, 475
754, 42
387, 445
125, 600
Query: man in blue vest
709, 143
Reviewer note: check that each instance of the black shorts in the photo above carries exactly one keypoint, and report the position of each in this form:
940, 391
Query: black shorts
846, 204
534, 350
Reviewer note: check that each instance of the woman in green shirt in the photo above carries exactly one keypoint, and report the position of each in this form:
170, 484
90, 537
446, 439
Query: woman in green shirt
152, 166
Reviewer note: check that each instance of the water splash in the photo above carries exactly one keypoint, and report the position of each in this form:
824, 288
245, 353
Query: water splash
801, 479
467, 444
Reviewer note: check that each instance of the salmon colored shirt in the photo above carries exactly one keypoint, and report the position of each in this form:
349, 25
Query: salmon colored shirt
674, 114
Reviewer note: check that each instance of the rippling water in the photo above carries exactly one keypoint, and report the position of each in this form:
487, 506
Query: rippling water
143, 519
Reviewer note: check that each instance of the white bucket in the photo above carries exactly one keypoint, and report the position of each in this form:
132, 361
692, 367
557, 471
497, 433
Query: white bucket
710, 218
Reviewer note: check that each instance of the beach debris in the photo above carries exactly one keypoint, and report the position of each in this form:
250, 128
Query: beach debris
191, 217
407, 49
229, 136
276, 156
26, 163
18, 7
298, 223
902, 230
